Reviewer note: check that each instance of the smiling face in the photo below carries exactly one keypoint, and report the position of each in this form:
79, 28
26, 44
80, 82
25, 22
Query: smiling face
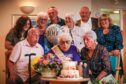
42, 20
42, 23
69, 21
52, 13
85, 14
104, 22
26, 26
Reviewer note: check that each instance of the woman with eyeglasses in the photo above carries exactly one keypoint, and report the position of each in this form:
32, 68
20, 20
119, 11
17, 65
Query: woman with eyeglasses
42, 20
64, 50
110, 36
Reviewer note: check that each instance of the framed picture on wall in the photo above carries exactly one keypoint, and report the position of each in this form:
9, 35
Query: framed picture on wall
16, 16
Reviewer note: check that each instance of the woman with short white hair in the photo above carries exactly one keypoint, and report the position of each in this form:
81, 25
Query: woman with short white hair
74, 31
42, 20
64, 50
96, 56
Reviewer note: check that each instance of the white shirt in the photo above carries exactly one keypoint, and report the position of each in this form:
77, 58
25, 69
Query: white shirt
77, 36
18, 57
86, 26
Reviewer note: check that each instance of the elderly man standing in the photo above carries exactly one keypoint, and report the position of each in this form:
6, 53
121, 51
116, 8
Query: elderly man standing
18, 62
86, 23
53, 15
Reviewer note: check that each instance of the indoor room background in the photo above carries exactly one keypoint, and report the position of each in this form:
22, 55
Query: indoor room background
10, 8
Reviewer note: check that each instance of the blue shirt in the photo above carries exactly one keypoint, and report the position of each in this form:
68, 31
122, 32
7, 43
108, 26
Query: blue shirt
113, 40
44, 43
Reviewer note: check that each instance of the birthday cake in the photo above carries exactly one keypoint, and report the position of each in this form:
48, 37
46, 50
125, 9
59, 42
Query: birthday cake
69, 71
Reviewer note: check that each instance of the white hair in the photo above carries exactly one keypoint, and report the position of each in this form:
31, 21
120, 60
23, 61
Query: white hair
42, 14
91, 34
64, 36
30, 31
72, 16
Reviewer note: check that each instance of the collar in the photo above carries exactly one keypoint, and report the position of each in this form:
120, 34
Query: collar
26, 43
88, 22
59, 20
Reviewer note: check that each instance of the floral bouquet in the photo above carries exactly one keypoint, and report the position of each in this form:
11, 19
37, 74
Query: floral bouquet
48, 63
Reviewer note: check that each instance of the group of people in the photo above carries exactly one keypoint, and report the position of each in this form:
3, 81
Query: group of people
87, 39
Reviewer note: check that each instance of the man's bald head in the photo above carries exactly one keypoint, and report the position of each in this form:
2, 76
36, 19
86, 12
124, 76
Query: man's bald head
52, 13
33, 36
85, 13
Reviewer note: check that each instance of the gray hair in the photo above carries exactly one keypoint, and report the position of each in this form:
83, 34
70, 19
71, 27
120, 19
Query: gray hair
71, 15
42, 14
91, 34
64, 36
32, 30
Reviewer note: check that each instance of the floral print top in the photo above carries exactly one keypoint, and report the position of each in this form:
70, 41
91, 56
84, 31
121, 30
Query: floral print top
98, 62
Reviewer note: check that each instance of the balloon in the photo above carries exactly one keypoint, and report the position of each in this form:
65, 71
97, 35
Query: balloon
52, 33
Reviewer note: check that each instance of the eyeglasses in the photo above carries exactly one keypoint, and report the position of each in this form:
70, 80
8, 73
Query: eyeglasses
63, 42
43, 20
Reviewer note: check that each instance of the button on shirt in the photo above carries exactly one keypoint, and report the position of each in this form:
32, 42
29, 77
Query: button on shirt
18, 56
86, 26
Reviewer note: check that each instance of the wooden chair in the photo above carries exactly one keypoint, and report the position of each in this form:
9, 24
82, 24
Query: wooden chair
117, 69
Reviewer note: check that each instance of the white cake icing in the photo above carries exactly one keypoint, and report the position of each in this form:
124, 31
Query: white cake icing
70, 73
69, 65
69, 70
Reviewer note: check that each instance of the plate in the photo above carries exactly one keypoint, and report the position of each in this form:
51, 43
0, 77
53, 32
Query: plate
70, 78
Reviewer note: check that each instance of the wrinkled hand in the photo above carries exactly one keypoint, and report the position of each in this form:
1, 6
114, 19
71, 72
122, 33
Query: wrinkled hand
116, 52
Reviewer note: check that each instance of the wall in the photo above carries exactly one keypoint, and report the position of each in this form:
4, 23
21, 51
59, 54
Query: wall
10, 7
124, 22
106, 4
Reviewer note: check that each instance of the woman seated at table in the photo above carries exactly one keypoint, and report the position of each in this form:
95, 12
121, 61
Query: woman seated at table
64, 50
96, 56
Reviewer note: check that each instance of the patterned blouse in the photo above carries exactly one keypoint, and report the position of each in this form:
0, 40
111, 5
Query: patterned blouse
113, 40
99, 61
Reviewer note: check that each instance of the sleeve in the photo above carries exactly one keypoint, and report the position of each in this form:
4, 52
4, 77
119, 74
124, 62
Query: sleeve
76, 56
106, 62
10, 36
119, 39
15, 53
